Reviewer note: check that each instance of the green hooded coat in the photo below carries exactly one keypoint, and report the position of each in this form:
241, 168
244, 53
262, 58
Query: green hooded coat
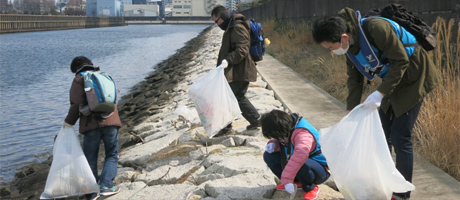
407, 82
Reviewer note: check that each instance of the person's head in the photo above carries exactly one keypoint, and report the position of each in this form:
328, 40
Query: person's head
78, 62
332, 33
276, 124
221, 16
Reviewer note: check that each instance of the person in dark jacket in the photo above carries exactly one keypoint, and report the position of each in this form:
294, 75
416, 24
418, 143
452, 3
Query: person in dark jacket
400, 95
94, 129
241, 68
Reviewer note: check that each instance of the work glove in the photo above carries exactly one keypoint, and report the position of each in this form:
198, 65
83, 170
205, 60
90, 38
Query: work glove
270, 147
66, 125
224, 64
373, 100
289, 188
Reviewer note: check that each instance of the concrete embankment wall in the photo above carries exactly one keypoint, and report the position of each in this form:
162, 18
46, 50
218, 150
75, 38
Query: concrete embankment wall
26, 23
169, 20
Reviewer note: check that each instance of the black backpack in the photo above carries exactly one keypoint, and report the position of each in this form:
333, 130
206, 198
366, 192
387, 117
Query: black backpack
425, 36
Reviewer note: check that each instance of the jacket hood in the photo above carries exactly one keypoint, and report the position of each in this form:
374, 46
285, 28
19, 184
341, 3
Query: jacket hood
352, 22
239, 18
87, 68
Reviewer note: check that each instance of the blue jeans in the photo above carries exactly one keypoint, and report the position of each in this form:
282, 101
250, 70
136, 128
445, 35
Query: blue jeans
398, 132
91, 143
310, 174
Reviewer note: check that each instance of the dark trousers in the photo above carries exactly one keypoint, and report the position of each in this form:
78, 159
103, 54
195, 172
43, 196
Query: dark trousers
398, 132
310, 174
249, 112
91, 143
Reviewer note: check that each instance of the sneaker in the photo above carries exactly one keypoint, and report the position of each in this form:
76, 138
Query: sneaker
312, 194
253, 126
105, 191
281, 186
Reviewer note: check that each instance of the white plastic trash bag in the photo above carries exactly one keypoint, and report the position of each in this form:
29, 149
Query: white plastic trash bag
359, 158
70, 174
214, 100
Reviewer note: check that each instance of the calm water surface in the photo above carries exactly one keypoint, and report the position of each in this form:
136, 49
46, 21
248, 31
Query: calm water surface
35, 78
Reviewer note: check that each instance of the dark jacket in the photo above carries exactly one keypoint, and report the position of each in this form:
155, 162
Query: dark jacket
87, 123
407, 82
235, 49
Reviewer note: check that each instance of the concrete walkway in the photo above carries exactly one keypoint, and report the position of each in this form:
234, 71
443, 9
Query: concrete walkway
322, 110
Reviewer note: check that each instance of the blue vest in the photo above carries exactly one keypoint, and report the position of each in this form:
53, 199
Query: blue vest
368, 59
303, 123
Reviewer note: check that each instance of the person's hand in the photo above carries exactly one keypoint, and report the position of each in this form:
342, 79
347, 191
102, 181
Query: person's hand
66, 125
270, 147
289, 188
373, 100
224, 64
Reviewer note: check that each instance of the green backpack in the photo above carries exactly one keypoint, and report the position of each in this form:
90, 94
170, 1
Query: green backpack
101, 92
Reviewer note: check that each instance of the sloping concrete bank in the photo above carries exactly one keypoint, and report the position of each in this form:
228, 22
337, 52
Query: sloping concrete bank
176, 159
165, 152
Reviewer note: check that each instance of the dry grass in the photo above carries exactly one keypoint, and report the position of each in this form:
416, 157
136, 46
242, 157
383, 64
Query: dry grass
292, 44
437, 133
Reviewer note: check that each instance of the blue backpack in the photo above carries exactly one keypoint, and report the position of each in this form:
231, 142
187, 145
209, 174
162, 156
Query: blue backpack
257, 49
101, 92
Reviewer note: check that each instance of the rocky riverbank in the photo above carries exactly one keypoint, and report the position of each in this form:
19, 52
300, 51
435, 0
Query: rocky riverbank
165, 152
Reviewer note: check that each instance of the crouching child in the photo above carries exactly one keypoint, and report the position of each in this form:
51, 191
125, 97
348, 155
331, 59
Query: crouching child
293, 152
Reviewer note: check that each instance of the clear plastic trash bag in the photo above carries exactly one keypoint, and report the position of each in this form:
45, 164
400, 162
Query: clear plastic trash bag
70, 174
214, 100
359, 158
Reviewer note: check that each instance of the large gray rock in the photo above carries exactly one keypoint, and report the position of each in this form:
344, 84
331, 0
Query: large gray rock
257, 93
158, 192
127, 190
234, 161
257, 144
140, 154
204, 151
208, 177
126, 174
168, 174
229, 142
243, 186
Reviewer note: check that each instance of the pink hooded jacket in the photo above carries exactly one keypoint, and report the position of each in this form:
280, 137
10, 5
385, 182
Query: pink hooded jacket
304, 144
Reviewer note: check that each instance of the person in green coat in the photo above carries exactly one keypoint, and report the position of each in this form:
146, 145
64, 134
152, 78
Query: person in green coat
400, 95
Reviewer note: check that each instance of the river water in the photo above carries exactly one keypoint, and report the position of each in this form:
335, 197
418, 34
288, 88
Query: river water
35, 78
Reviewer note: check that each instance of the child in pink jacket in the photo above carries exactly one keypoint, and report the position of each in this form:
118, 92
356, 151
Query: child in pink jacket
293, 153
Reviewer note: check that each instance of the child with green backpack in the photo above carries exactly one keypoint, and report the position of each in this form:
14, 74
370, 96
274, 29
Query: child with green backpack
95, 125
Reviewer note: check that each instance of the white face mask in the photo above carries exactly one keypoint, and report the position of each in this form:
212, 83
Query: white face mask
340, 50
